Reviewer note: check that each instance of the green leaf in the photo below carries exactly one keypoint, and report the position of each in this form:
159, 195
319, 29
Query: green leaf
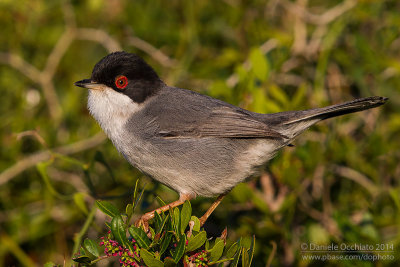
180, 249
196, 241
129, 211
87, 254
235, 261
49, 264
166, 219
232, 250
151, 230
278, 94
135, 192
219, 88
79, 199
318, 234
239, 242
177, 219
118, 230
160, 201
136, 200
259, 64
185, 215
252, 248
395, 195
242, 73
165, 242
298, 96
82, 259
168, 225
92, 247
169, 262
157, 222
196, 226
107, 208
245, 258
216, 251
261, 103
140, 236
219, 261
149, 259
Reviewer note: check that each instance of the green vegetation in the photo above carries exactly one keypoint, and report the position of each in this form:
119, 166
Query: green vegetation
338, 185
164, 243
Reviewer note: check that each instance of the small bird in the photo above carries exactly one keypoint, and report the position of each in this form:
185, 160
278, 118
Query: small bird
193, 143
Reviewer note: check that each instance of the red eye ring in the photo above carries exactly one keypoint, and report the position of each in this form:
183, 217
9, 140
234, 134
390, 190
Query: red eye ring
121, 82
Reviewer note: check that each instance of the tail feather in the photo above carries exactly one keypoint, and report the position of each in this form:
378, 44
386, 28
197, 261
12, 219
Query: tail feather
292, 123
341, 109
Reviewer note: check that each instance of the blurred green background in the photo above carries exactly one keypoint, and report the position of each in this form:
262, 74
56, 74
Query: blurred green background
340, 184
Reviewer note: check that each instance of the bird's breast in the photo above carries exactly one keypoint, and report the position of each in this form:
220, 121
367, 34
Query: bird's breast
111, 110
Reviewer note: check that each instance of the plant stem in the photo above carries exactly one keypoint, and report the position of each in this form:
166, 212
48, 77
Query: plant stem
79, 236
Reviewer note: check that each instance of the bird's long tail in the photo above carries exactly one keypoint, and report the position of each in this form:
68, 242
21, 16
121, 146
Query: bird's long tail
293, 123
341, 109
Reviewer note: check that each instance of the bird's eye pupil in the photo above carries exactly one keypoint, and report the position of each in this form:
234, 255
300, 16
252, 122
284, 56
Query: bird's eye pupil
121, 82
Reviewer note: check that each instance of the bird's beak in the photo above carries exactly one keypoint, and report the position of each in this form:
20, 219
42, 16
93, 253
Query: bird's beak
89, 84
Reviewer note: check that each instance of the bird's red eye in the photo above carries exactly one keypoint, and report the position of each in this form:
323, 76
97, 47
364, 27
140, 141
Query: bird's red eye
121, 82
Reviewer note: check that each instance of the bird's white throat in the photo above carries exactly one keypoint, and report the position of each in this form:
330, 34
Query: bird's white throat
111, 110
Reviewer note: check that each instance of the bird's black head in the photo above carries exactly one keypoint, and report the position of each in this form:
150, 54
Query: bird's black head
125, 73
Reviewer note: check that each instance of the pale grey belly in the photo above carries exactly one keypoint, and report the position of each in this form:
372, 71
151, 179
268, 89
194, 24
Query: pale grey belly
201, 166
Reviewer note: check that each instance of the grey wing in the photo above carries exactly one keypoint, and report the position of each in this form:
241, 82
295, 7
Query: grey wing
222, 122
180, 113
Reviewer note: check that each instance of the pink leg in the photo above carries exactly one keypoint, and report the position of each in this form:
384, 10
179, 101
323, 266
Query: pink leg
204, 218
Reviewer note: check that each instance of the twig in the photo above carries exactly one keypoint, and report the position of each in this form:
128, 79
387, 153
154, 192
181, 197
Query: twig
329, 224
57, 53
21, 65
32, 160
323, 19
287, 79
300, 30
318, 181
273, 197
356, 177
36, 76
34, 134
272, 254
44, 78
69, 14
51, 97
155, 53
269, 45
316, 40
98, 36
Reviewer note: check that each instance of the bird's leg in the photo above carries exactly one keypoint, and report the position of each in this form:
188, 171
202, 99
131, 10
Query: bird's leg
149, 215
214, 205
